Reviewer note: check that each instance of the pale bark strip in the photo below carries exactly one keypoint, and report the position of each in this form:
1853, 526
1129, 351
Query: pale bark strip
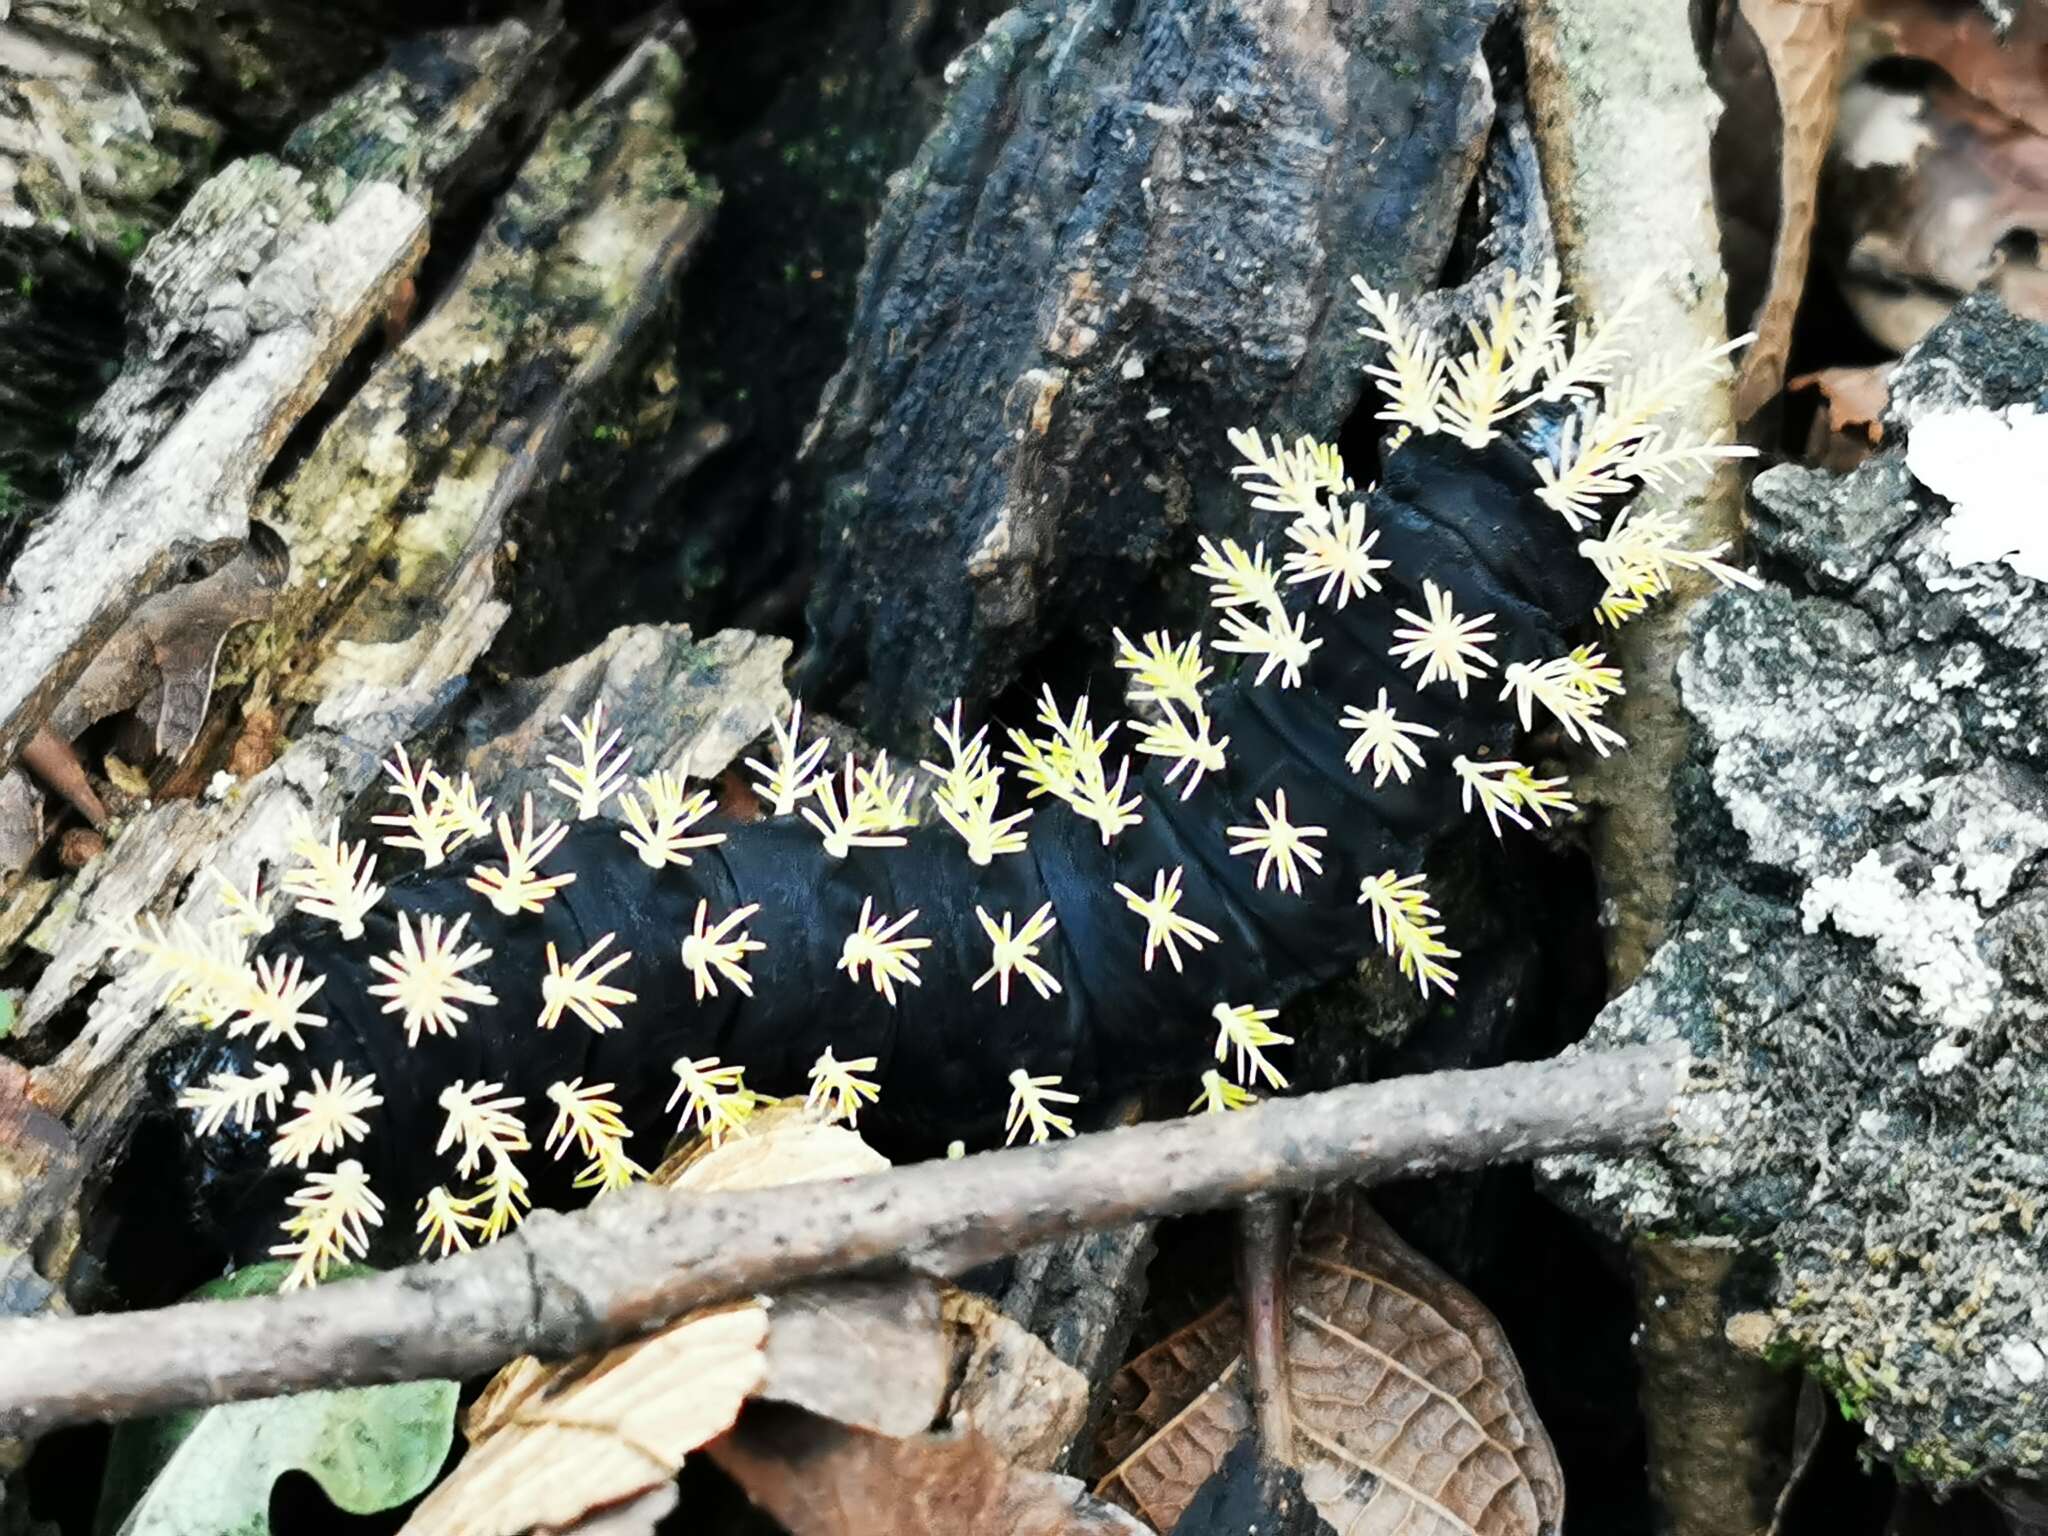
85, 569
395, 526
568, 1283
1623, 119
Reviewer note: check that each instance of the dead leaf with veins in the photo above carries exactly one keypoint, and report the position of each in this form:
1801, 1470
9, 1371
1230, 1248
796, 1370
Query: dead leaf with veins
1410, 1413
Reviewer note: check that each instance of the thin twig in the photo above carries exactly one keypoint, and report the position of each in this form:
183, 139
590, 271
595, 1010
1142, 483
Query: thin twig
1265, 1244
567, 1283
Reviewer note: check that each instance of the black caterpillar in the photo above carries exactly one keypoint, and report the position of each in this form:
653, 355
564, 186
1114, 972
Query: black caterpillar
1488, 507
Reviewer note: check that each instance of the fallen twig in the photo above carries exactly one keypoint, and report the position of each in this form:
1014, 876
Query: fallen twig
1265, 1247
568, 1283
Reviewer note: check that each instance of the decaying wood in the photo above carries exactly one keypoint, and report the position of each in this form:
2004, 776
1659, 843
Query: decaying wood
1009, 1387
563, 1284
433, 126
98, 141
1719, 1421
244, 308
99, 131
1127, 235
83, 571
394, 529
1622, 121
1083, 1295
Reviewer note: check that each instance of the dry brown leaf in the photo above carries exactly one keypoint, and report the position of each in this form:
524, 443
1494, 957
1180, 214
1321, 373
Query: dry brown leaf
1805, 42
784, 1145
1856, 397
1026, 1401
817, 1478
547, 1458
1410, 1413
1157, 1384
1850, 429
551, 1443
1159, 1479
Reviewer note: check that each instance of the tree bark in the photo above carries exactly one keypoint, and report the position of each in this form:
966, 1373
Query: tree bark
393, 523
1124, 238
1623, 120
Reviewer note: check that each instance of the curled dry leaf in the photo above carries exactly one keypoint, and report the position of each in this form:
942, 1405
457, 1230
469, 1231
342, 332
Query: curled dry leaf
1410, 1413
1805, 43
1850, 427
549, 1444
608, 1435
1855, 397
817, 1478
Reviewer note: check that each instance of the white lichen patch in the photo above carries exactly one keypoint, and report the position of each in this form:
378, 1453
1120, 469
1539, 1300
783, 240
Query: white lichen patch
1993, 825
1928, 938
1880, 127
1990, 466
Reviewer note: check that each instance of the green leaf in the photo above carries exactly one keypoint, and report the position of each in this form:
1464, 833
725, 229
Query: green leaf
208, 1472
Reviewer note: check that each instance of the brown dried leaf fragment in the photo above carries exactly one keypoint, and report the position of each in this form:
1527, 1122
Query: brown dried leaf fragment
817, 1478
1158, 1384
1856, 397
1160, 1478
1410, 1414
1805, 43
2009, 73
549, 1444
542, 1457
